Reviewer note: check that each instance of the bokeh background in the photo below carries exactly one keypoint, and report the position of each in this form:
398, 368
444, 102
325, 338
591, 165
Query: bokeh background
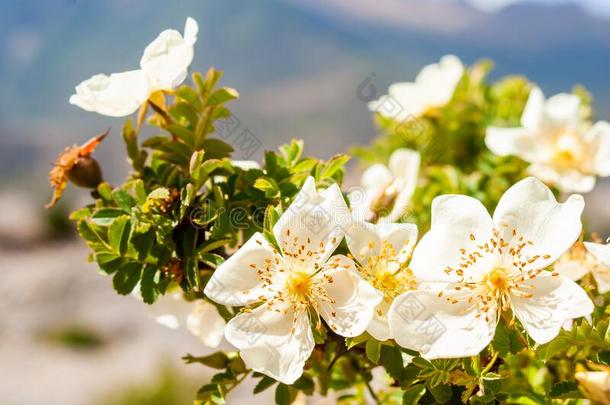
65, 337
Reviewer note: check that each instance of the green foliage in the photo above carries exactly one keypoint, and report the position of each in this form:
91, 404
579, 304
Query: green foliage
186, 207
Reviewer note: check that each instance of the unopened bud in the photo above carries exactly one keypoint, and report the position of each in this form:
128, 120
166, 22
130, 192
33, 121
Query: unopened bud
86, 173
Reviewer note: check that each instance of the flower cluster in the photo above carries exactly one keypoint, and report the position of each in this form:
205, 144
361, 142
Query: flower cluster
333, 292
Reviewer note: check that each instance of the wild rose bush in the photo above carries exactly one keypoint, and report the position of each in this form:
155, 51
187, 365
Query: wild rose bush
451, 274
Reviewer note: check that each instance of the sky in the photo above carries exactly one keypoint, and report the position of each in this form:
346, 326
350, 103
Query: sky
595, 7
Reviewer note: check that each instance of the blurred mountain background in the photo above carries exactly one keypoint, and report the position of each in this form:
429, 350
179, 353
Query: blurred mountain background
297, 65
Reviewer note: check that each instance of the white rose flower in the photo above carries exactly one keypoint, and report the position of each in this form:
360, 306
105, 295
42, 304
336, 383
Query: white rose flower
282, 288
433, 87
199, 317
486, 266
562, 150
164, 66
387, 190
383, 251
601, 269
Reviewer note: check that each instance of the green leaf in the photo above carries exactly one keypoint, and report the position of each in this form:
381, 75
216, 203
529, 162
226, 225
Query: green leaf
142, 242
222, 95
391, 360
105, 216
334, 165
148, 287
441, 393
263, 384
127, 277
373, 350
292, 152
93, 235
216, 149
217, 360
109, 262
192, 273
195, 165
305, 383
565, 390
211, 394
185, 110
413, 394
282, 395
123, 199
183, 133
105, 191
355, 341
268, 186
118, 234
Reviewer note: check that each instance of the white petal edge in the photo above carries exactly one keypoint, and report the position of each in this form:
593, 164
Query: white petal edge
454, 219
510, 141
317, 219
598, 137
117, 95
530, 208
423, 321
235, 282
601, 253
555, 299
267, 343
167, 58
404, 164
533, 113
354, 300
379, 327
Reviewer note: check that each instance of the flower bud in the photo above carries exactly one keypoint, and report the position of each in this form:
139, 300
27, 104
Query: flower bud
86, 173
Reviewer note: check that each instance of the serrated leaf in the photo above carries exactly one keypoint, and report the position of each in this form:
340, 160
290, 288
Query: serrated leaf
565, 389
391, 360
148, 287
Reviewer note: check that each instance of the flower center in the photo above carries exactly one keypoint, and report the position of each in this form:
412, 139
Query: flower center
385, 272
299, 286
492, 292
497, 280
569, 150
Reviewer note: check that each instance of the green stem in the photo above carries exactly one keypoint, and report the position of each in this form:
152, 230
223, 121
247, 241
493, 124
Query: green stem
490, 364
375, 398
246, 374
